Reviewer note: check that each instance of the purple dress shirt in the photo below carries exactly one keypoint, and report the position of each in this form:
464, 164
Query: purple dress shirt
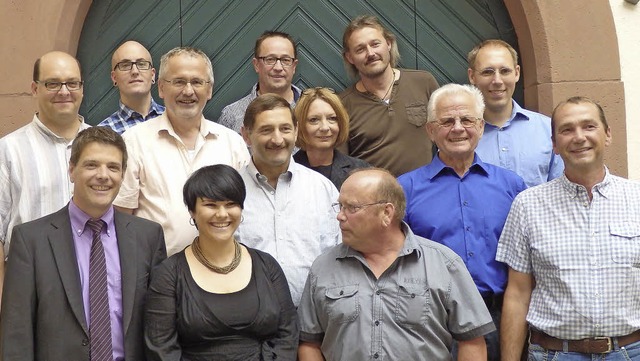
82, 238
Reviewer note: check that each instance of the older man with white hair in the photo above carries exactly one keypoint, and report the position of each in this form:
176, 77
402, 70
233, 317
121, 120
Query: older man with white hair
460, 201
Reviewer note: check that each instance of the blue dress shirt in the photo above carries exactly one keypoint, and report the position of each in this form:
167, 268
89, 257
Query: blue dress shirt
523, 145
465, 214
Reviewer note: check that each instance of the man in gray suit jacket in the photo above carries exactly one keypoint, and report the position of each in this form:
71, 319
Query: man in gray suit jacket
76, 279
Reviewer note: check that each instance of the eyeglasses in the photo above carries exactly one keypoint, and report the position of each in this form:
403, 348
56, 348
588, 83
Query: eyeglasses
316, 89
491, 72
466, 122
353, 208
127, 65
286, 61
181, 83
55, 86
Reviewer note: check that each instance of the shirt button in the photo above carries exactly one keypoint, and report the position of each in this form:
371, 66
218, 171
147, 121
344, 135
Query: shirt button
467, 228
413, 295
272, 192
470, 254
377, 323
465, 203
377, 292
504, 149
85, 342
375, 355
341, 292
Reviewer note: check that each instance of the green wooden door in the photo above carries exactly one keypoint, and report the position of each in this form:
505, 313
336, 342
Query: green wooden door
433, 35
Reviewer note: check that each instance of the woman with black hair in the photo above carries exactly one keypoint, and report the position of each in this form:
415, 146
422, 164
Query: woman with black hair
218, 299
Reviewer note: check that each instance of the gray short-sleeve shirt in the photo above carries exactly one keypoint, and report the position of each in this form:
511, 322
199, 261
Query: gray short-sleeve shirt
414, 311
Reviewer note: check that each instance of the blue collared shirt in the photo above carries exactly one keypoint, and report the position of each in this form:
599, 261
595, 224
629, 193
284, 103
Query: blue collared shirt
523, 145
125, 117
82, 239
465, 214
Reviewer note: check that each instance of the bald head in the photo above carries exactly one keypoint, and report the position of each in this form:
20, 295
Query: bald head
57, 86
378, 184
130, 50
53, 58
135, 82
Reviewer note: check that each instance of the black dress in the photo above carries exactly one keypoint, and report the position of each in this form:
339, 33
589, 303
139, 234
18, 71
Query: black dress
185, 322
340, 167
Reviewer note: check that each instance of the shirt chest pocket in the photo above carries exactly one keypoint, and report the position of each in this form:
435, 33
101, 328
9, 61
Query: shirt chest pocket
342, 303
417, 113
625, 242
412, 306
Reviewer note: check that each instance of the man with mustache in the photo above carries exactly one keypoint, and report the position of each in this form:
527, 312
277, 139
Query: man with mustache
514, 138
164, 151
288, 207
33, 159
274, 60
387, 106
133, 73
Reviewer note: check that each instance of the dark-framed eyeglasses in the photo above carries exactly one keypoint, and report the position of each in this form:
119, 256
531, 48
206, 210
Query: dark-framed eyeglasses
314, 90
353, 208
55, 86
286, 61
127, 65
466, 122
491, 72
181, 83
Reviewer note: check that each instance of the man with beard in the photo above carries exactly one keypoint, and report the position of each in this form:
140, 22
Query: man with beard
387, 106
133, 73
288, 207
164, 151
274, 60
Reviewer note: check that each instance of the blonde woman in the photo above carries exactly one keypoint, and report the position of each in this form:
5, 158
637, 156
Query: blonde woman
323, 125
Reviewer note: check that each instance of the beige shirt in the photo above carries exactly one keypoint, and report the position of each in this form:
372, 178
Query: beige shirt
34, 175
159, 165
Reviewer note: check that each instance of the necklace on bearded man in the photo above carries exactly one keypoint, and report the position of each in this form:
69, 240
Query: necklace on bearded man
387, 95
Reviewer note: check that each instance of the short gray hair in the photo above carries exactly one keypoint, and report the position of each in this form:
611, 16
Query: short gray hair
454, 89
185, 50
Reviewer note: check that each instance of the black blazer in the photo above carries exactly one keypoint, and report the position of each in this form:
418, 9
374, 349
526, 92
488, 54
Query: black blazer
42, 315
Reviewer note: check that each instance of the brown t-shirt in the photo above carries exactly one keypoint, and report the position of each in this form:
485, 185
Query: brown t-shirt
391, 136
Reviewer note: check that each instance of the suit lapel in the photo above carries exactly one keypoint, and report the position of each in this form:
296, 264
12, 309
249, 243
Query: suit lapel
128, 261
64, 252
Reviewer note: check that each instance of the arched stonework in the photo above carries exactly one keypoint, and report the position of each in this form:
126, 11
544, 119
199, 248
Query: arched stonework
567, 48
571, 48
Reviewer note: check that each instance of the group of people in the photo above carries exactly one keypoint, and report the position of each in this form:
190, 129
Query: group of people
391, 221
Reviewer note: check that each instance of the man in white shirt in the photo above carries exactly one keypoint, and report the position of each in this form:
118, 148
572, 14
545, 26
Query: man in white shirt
288, 207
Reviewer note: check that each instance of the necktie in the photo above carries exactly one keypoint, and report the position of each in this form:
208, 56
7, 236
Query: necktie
100, 322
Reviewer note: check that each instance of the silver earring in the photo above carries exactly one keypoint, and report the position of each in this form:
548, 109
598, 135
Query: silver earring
192, 221
241, 218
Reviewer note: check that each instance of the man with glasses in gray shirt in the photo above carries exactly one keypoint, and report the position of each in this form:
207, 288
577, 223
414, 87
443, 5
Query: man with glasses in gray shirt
385, 293
275, 63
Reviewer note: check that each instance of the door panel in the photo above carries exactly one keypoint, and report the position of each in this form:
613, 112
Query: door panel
433, 35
